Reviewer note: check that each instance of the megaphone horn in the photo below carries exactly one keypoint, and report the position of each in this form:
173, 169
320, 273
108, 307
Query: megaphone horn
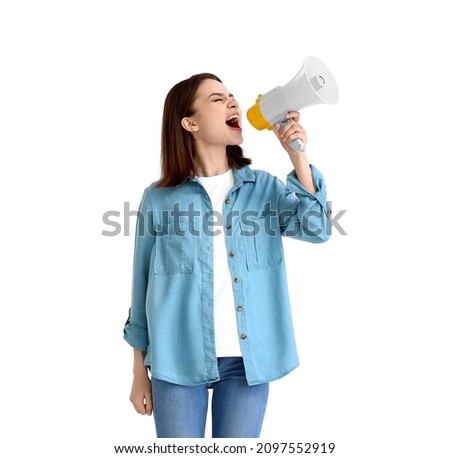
313, 84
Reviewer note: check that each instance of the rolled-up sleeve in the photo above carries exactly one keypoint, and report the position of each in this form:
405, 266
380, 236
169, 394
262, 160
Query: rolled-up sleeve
304, 215
136, 328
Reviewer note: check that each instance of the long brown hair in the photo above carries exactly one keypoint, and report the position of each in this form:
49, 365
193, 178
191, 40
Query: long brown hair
177, 144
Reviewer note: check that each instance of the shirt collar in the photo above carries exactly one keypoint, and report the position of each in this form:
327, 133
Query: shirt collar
240, 176
244, 174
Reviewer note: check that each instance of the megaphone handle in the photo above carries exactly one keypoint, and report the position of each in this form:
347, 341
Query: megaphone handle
297, 145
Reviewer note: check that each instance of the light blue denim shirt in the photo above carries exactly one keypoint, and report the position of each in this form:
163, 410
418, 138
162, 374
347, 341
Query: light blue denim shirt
171, 317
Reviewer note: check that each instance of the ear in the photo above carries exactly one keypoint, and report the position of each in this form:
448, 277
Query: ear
189, 125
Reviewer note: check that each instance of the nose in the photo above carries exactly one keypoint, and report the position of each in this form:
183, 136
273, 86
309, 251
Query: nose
232, 103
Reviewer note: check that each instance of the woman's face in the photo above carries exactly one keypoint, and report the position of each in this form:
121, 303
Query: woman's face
217, 116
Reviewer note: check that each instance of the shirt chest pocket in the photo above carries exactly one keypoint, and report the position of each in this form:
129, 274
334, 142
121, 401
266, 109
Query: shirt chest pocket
174, 250
261, 243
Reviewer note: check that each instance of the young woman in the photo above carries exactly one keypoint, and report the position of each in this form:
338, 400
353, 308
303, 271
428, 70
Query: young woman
210, 307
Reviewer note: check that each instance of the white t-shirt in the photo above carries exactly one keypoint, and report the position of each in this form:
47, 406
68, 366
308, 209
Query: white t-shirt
227, 341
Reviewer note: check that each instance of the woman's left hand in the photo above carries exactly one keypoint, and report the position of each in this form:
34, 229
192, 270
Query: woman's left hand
290, 130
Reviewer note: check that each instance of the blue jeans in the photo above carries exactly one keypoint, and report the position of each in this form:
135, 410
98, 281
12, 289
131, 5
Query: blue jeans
237, 408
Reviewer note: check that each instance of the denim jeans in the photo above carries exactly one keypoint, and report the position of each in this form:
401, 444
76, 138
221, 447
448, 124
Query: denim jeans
237, 408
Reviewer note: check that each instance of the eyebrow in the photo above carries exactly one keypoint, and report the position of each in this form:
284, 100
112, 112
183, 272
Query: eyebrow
219, 94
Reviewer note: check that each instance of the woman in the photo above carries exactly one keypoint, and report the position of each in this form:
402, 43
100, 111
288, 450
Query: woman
210, 306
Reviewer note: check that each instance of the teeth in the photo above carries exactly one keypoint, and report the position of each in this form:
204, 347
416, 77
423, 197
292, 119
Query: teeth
232, 117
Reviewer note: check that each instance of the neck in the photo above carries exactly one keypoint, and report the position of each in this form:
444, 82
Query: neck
211, 163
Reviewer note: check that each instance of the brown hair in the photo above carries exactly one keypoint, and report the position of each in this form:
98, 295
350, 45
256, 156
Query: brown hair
177, 144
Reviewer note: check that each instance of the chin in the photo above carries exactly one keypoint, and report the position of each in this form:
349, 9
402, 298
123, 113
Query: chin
238, 141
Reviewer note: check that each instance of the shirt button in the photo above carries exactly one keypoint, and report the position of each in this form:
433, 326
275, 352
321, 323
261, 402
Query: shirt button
237, 280
232, 254
228, 226
228, 201
243, 336
239, 308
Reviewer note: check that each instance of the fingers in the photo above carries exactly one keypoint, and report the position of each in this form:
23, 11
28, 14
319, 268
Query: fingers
289, 126
148, 404
138, 404
141, 395
143, 404
290, 129
295, 115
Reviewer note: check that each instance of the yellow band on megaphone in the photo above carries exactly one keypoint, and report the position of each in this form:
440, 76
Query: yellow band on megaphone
255, 117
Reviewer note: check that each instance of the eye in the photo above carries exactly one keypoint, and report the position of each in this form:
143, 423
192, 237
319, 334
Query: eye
218, 100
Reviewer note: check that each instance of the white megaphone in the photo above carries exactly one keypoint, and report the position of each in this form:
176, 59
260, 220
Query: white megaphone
312, 85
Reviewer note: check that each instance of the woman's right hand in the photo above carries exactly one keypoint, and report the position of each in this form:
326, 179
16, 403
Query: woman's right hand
141, 394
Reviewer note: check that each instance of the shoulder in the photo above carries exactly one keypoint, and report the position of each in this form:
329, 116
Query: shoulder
152, 194
264, 178
163, 197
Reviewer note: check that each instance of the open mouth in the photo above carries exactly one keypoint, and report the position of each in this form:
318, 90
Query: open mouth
233, 122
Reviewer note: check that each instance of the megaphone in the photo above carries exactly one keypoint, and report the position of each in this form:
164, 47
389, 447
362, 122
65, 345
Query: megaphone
312, 85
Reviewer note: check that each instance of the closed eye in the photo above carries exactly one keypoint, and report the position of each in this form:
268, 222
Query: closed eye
219, 97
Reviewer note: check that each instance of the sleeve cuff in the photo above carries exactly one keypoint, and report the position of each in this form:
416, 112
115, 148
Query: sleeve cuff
293, 185
136, 336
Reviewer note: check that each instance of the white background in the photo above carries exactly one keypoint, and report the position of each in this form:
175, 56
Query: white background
81, 91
